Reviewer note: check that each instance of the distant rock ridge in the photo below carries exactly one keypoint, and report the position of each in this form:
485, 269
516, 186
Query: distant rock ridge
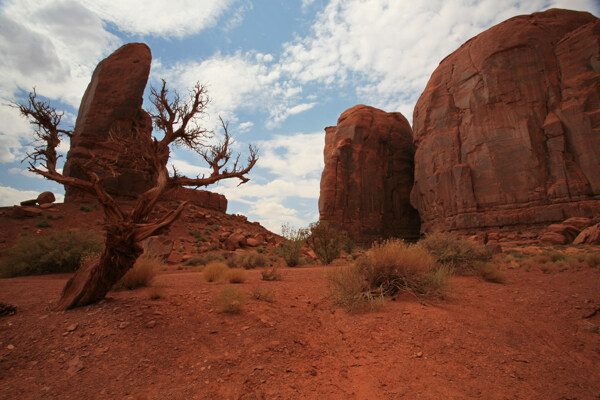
368, 175
507, 131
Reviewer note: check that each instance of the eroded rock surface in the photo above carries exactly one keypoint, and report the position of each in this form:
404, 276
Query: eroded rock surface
113, 101
368, 175
508, 128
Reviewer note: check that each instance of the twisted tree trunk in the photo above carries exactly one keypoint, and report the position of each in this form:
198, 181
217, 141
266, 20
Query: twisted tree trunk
97, 275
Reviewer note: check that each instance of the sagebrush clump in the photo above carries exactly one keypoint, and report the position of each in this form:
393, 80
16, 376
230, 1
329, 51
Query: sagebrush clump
290, 247
462, 256
326, 241
142, 274
249, 260
58, 252
230, 300
215, 271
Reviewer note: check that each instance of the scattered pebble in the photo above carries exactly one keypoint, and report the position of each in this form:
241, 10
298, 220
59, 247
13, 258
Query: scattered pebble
72, 328
10, 347
151, 324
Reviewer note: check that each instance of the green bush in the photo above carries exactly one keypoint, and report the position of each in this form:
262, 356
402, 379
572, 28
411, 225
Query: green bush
84, 208
326, 241
57, 252
462, 256
291, 246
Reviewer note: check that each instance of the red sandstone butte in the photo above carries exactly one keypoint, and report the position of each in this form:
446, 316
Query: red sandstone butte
113, 100
508, 128
368, 175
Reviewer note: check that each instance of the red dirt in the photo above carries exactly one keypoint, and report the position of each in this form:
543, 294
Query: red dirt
524, 339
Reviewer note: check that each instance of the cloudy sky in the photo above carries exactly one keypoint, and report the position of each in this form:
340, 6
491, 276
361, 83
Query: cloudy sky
279, 71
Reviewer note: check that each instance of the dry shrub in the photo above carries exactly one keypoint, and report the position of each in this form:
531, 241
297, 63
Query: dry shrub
249, 260
272, 273
141, 275
290, 248
490, 272
593, 260
156, 292
462, 256
263, 294
215, 271
348, 289
230, 300
326, 241
394, 266
204, 259
236, 275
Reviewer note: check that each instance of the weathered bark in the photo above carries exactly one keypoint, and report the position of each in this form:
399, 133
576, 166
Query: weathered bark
96, 277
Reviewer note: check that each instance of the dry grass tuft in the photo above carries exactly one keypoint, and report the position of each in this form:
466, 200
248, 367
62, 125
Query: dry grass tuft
141, 275
263, 294
272, 273
593, 260
215, 271
156, 292
230, 300
236, 275
249, 260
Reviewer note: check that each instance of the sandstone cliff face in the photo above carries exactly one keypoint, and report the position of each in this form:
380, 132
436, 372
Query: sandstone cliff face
508, 128
113, 100
368, 175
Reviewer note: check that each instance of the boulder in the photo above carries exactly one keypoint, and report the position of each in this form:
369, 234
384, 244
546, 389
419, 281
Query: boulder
28, 203
252, 242
113, 102
590, 235
507, 130
568, 231
578, 222
368, 174
553, 238
158, 246
234, 241
26, 212
46, 198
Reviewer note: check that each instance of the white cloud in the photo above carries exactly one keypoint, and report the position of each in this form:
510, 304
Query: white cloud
293, 156
280, 114
389, 48
158, 17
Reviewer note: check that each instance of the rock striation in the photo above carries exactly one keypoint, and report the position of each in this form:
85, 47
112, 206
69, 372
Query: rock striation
368, 175
508, 128
113, 101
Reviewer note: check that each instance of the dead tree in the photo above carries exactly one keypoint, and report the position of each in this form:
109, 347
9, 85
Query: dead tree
175, 121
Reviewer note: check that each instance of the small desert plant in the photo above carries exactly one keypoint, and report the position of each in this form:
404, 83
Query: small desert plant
326, 241
141, 274
394, 266
462, 256
348, 289
272, 273
263, 294
236, 275
156, 292
42, 223
215, 271
55, 216
230, 300
57, 252
84, 208
593, 260
490, 272
248, 260
204, 259
291, 246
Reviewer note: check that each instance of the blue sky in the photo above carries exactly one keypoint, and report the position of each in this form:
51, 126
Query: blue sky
278, 71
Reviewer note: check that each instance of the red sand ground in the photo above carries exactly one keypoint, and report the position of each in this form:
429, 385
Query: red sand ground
526, 339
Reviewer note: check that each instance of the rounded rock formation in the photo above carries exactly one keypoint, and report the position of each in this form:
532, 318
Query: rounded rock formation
508, 128
368, 175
